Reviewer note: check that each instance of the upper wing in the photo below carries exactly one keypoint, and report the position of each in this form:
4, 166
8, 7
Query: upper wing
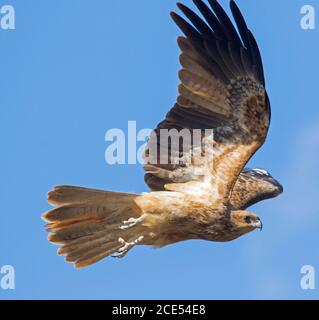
222, 88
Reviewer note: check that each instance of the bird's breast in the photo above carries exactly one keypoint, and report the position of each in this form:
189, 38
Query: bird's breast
173, 219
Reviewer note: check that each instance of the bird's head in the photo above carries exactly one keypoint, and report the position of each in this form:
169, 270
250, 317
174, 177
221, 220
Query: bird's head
269, 186
244, 221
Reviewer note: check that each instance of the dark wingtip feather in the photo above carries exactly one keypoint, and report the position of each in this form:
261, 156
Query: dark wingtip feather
249, 41
216, 26
172, 14
199, 24
240, 21
242, 28
211, 20
225, 21
187, 29
257, 58
180, 5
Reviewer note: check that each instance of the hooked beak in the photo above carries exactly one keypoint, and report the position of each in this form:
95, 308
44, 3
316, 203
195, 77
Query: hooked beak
258, 225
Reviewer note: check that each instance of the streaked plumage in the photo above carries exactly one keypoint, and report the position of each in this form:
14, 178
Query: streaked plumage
222, 89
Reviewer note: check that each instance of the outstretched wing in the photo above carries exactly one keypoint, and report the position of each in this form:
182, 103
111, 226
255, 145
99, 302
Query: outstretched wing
222, 88
252, 186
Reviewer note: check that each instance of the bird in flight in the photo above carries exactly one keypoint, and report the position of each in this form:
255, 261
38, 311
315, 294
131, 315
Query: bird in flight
222, 89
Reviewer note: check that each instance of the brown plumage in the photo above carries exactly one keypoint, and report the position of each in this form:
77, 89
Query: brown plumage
198, 193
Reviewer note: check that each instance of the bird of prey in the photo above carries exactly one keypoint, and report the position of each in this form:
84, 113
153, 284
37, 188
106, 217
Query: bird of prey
222, 88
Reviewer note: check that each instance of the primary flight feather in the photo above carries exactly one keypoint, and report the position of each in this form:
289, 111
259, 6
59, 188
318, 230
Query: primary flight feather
196, 193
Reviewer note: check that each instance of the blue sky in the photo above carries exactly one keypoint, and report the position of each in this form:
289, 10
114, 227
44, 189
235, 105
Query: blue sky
73, 70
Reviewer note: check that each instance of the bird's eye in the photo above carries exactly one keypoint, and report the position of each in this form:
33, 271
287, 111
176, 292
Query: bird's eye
247, 219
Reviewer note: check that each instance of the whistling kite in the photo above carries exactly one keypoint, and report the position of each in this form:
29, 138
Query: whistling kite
223, 89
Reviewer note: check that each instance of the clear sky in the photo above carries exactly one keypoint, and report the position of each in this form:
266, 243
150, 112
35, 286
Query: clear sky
70, 71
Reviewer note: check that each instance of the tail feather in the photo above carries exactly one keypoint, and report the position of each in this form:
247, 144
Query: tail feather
81, 251
76, 230
76, 212
86, 222
90, 252
72, 195
75, 244
94, 257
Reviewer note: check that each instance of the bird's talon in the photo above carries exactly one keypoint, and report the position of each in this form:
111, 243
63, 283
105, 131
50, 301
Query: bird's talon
127, 246
131, 222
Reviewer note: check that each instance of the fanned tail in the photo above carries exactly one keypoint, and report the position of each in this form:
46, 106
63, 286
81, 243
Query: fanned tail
92, 224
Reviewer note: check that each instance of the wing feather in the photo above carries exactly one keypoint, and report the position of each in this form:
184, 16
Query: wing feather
222, 96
